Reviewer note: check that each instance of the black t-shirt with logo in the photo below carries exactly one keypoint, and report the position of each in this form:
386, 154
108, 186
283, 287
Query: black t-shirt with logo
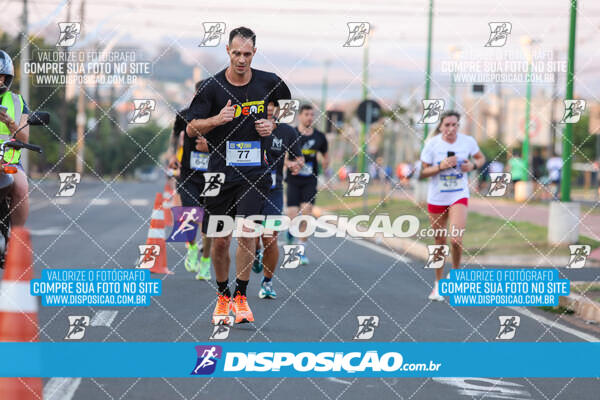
310, 145
283, 139
236, 148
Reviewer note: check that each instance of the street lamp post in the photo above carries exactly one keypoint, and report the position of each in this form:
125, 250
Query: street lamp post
563, 218
565, 187
428, 72
365, 126
527, 44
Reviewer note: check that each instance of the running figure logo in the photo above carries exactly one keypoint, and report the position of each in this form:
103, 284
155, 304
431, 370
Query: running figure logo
68, 183
357, 34
366, 326
357, 184
499, 32
212, 34
148, 255
207, 359
291, 255
141, 110
508, 326
77, 325
573, 111
221, 329
437, 255
579, 254
499, 182
69, 31
432, 109
287, 111
212, 183
186, 223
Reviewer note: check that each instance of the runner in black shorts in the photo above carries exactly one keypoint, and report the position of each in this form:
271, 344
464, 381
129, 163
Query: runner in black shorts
190, 184
231, 112
284, 140
302, 188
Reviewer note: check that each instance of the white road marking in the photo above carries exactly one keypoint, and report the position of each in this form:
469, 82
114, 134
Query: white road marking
521, 310
487, 388
103, 318
336, 380
100, 202
557, 325
61, 388
53, 231
139, 202
381, 250
62, 200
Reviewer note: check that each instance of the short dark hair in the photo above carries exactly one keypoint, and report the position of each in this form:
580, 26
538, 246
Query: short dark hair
244, 32
305, 107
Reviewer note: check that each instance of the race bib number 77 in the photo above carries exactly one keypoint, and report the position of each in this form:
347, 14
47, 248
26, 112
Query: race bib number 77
243, 154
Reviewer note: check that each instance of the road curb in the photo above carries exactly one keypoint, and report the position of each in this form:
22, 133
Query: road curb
583, 307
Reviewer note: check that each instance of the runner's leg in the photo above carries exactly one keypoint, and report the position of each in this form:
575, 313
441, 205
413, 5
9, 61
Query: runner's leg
457, 216
438, 223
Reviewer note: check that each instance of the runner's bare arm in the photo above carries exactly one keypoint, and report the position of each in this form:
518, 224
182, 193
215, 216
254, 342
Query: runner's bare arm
428, 170
200, 127
478, 161
325, 160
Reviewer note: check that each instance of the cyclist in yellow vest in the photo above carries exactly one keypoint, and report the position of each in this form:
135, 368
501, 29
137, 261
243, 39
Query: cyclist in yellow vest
11, 118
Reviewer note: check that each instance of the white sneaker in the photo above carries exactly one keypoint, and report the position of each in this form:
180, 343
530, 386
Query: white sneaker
435, 295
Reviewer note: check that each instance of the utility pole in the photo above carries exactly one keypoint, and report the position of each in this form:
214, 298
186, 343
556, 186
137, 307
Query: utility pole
428, 73
362, 167
81, 119
64, 127
527, 44
565, 187
24, 83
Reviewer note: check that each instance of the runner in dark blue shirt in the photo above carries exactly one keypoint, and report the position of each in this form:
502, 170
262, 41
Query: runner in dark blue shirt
284, 140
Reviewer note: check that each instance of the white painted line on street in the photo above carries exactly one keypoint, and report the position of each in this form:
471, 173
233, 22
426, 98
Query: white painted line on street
60, 388
139, 202
62, 200
103, 318
53, 231
521, 310
486, 388
381, 250
336, 380
100, 202
557, 325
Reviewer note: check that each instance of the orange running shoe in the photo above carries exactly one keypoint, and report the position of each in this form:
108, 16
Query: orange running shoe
241, 310
222, 308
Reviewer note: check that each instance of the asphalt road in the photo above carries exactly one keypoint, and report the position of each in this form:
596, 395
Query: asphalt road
102, 225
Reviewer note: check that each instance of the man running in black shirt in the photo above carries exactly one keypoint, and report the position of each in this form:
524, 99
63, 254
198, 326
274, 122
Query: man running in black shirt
302, 188
230, 111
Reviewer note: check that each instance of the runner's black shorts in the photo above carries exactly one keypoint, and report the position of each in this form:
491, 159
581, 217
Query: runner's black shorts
239, 198
301, 190
190, 189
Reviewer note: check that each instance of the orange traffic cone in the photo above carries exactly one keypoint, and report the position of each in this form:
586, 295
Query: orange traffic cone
168, 194
18, 312
156, 235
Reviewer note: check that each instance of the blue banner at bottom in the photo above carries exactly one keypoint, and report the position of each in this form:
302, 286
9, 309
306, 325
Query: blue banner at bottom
300, 359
